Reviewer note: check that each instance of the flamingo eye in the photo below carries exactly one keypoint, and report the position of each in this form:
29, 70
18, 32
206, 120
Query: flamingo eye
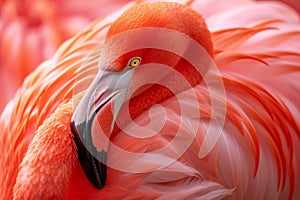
134, 62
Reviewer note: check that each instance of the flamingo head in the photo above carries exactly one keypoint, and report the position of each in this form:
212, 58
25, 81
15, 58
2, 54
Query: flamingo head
142, 62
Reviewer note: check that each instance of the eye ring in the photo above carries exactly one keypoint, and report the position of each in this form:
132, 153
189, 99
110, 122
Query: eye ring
134, 62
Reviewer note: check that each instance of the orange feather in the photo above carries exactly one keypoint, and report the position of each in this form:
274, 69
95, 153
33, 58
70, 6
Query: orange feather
256, 157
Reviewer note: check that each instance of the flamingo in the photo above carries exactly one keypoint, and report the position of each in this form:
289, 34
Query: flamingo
229, 126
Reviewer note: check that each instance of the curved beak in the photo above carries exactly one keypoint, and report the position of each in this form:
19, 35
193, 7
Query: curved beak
109, 90
95, 116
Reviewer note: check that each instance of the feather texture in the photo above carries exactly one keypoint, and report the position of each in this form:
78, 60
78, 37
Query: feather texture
257, 155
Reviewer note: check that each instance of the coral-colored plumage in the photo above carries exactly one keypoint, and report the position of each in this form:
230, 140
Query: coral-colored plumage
256, 157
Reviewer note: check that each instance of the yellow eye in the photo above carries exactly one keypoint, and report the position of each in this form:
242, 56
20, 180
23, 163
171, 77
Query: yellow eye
134, 62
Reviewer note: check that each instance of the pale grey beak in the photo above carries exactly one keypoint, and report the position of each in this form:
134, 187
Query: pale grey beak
106, 87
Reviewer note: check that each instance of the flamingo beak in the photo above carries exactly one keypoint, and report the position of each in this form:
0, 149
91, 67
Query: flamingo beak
94, 170
108, 87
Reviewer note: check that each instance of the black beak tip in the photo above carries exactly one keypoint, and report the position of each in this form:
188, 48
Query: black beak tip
92, 161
